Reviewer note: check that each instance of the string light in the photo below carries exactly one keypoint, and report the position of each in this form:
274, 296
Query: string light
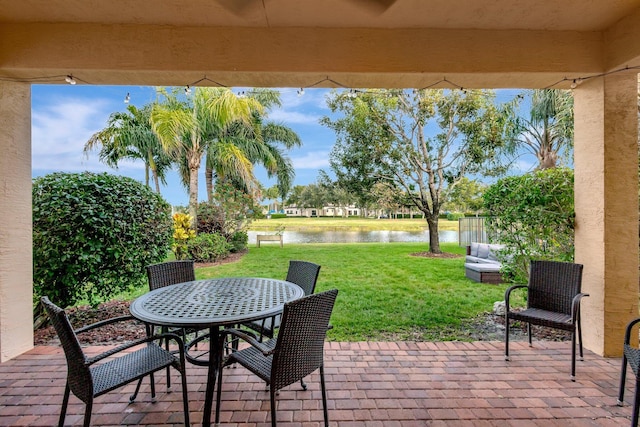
127, 98
326, 79
576, 81
204, 79
72, 80
443, 80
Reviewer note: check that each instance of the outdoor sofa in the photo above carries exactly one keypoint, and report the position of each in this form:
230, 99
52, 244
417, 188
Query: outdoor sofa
481, 263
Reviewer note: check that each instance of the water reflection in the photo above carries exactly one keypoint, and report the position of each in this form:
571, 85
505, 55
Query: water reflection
384, 236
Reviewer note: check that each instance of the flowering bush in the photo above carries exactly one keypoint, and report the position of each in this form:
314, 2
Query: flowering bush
182, 233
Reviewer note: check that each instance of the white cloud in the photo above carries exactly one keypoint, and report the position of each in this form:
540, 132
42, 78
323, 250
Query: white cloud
293, 117
312, 160
301, 109
60, 130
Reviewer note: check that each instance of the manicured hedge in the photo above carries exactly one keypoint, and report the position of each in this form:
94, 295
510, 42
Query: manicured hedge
93, 234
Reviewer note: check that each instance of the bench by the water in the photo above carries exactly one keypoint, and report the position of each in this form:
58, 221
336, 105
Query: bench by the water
268, 238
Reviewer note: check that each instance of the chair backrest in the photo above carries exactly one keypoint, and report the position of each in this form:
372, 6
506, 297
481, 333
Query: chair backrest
170, 273
78, 373
553, 285
303, 274
300, 347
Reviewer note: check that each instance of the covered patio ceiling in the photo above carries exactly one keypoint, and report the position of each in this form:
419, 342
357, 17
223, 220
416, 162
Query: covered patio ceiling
354, 43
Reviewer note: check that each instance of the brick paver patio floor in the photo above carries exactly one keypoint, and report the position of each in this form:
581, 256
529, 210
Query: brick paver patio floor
369, 384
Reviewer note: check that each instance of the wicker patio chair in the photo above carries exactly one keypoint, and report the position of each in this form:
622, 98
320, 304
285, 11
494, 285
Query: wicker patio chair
553, 300
630, 355
165, 274
170, 273
296, 352
303, 274
87, 378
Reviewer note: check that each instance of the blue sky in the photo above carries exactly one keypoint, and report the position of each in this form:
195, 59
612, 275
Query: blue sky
64, 117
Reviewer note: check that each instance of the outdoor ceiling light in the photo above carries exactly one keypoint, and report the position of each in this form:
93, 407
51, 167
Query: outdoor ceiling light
69, 79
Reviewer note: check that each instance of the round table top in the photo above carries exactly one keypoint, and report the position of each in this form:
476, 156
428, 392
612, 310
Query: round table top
215, 302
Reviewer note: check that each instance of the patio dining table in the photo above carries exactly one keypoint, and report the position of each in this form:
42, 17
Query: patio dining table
214, 304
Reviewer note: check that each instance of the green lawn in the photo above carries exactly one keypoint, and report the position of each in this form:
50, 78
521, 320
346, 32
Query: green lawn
385, 293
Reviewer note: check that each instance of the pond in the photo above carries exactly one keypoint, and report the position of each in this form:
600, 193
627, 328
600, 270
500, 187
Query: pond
332, 236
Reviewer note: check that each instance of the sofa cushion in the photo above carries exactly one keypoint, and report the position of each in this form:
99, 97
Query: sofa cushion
476, 260
474, 249
493, 251
483, 267
487, 261
483, 250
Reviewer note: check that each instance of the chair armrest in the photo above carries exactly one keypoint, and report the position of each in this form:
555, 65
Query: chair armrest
575, 305
266, 350
104, 323
507, 294
130, 344
627, 334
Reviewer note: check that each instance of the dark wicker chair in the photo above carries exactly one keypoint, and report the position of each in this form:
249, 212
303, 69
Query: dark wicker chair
553, 300
170, 273
88, 379
630, 355
303, 274
297, 351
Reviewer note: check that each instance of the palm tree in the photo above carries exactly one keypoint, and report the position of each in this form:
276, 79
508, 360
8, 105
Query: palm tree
128, 135
548, 132
262, 143
183, 126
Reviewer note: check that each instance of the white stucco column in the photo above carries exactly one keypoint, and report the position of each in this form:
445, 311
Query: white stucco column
16, 271
606, 203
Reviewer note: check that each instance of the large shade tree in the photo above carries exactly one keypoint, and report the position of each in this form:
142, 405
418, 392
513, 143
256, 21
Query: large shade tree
184, 125
417, 142
129, 136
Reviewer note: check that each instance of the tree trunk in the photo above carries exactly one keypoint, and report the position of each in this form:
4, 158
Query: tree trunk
193, 196
156, 181
434, 239
208, 177
548, 159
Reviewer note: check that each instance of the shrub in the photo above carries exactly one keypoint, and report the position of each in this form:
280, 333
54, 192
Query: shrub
208, 247
231, 211
454, 216
238, 241
533, 215
278, 216
210, 218
93, 234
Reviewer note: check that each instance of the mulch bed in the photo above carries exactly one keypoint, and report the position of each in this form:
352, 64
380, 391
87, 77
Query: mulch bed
110, 334
432, 255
